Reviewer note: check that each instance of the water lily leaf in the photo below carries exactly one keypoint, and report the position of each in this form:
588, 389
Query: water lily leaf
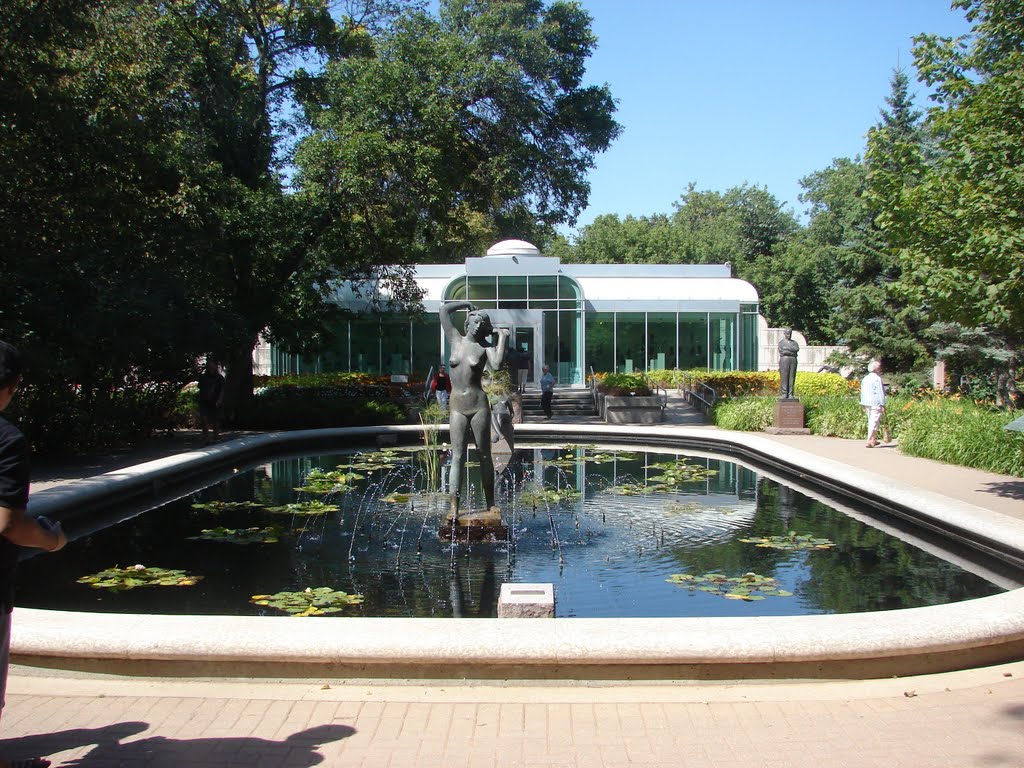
223, 506
628, 489
119, 579
304, 508
790, 543
309, 602
544, 496
268, 535
749, 586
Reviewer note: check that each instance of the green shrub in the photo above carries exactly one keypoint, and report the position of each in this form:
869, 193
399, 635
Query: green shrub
283, 413
824, 385
334, 385
963, 433
746, 414
75, 419
623, 384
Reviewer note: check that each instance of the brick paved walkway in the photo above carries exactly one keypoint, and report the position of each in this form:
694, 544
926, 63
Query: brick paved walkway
964, 719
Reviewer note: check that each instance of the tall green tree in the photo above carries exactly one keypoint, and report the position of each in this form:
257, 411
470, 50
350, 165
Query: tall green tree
248, 62
854, 270
955, 215
463, 127
95, 253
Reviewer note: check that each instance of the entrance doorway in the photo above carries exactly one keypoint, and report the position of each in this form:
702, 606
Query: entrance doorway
524, 341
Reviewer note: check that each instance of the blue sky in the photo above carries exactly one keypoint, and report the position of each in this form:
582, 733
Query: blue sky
726, 92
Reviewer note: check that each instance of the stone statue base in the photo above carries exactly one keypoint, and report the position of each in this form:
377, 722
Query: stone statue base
788, 418
475, 525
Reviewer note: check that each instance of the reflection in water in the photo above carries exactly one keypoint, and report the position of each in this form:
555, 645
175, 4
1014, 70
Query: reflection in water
600, 524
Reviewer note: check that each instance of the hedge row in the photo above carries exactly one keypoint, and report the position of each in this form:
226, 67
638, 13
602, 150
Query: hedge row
945, 429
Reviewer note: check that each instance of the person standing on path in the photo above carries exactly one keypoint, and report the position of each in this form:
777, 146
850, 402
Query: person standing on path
442, 387
211, 401
547, 391
872, 398
17, 529
524, 369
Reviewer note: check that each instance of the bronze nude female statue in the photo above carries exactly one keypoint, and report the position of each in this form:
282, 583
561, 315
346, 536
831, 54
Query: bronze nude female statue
471, 355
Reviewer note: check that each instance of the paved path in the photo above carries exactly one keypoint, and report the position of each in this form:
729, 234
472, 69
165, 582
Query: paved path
961, 719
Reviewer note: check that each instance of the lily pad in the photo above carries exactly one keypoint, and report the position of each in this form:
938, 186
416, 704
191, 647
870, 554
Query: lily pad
310, 508
375, 461
677, 473
312, 601
224, 506
320, 482
749, 587
542, 496
268, 535
791, 542
397, 498
628, 489
119, 579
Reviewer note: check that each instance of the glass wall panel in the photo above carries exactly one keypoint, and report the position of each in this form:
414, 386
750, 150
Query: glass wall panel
395, 346
365, 345
568, 293
693, 340
426, 345
630, 342
570, 342
335, 357
544, 292
483, 291
601, 341
723, 342
512, 292
550, 344
661, 340
748, 337
456, 290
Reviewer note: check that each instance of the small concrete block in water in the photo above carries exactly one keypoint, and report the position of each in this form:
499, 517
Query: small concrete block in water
526, 601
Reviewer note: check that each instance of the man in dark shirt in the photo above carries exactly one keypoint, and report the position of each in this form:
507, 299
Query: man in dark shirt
17, 529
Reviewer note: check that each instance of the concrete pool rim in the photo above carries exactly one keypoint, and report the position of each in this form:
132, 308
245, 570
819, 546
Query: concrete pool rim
900, 642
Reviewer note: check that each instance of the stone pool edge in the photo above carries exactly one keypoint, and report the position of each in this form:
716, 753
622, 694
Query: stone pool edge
900, 642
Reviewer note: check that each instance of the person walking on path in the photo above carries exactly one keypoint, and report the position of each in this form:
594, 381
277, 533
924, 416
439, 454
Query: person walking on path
211, 401
872, 398
547, 391
442, 387
524, 369
17, 529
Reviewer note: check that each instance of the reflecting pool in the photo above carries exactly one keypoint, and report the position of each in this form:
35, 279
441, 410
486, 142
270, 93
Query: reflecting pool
620, 532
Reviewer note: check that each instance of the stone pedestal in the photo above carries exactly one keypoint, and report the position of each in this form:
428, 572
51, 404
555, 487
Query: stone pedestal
526, 601
789, 418
476, 525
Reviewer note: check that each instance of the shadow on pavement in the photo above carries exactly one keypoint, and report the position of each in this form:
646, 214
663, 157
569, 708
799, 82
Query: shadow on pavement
297, 751
1010, 489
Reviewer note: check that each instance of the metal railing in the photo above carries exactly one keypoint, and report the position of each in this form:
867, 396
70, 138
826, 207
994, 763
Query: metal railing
697, 393
658, 389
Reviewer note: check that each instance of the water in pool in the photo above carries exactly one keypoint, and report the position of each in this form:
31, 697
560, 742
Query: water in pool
619, 532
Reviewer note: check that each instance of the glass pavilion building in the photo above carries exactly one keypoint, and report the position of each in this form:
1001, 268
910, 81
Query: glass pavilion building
572, 317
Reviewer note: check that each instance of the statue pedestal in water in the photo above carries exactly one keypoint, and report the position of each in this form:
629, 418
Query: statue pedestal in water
788, 418
476, 525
